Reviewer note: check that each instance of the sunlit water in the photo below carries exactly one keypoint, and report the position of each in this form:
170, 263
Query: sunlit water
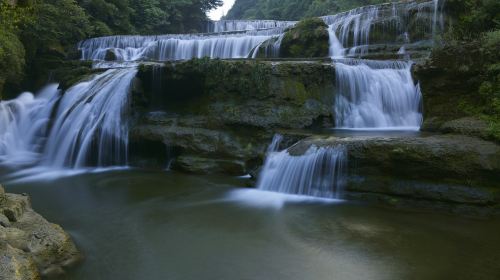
151, 225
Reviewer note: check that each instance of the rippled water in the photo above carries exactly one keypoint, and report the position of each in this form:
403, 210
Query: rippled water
148, 225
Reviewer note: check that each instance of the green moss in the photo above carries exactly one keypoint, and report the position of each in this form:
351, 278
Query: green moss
309, 38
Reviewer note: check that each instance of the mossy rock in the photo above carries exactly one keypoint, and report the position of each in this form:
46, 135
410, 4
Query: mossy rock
309, 38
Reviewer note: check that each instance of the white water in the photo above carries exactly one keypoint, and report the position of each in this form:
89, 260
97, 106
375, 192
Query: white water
24, 124
90, 125
320, 172
177, 47
84, 127
378, 95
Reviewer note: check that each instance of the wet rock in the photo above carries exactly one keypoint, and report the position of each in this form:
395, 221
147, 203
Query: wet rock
31, 247
259, 94
110, 55
199, 165
16, 264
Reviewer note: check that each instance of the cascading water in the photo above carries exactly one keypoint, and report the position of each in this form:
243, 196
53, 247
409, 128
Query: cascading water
320, 172
84, 127
376, 94
89, 127
398, 24
177, 47
24, 123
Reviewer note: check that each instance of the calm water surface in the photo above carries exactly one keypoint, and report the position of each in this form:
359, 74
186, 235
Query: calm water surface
152, 225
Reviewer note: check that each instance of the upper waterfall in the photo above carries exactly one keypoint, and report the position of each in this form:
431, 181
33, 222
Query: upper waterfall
234, 44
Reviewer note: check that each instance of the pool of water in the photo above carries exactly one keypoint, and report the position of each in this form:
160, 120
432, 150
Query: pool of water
133, 224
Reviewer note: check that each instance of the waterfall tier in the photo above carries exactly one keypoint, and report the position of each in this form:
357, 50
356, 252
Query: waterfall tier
176, 47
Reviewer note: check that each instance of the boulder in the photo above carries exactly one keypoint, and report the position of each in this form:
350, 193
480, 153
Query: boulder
30, 246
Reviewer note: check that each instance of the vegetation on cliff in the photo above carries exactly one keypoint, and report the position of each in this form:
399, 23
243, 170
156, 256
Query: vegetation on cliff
309, 38
292, 9
462, 77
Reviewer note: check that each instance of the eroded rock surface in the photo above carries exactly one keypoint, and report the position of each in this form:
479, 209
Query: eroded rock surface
30, 246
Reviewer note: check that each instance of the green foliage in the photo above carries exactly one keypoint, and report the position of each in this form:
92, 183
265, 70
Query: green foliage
292, 9
309, 38
57, 23
12, 18
11, 58
148, 16
12, 52
473, 17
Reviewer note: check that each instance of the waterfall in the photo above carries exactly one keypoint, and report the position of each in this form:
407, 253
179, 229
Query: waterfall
376, 94
86, 126
90, 127
24, 123
320, 172
176, 47
350, 32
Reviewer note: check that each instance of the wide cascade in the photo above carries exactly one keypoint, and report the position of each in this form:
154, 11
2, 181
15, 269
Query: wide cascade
241, 44
320, 172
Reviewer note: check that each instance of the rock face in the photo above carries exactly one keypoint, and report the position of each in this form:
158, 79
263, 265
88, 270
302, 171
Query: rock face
31, 247
445, 168
227, 111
